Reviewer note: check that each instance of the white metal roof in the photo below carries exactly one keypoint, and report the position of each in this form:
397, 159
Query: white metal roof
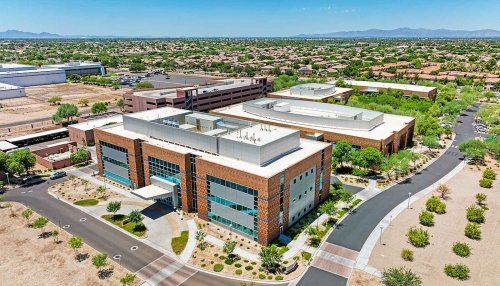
152, 192
398, 86
6, 146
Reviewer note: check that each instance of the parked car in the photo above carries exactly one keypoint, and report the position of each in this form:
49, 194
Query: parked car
57, 175
31, 180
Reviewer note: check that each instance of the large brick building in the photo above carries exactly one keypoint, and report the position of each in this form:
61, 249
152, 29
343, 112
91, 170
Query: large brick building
255, 179
198, 98
329, 122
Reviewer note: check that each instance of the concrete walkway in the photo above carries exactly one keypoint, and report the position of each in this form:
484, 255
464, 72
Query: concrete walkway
369, 192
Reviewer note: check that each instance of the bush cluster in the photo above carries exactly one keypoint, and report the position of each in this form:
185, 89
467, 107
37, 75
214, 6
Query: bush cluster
262, 276
238, 271
407, 254
248, 268
418, 237
435, 205
488, 173
458, 271
486, 183
473, 231
279, 278
426, 218
475, 214
461, 249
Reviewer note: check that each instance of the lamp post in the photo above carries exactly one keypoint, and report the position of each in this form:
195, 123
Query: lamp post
317, 221
381, 234
409, 194
8, 181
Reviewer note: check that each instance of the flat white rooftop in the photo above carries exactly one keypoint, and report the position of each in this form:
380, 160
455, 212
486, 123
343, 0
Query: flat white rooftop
6, 146
312, 92
259, 135
4, 86
158, 113
390, 124
225, 84
398, 86
73, 65
305, 150
91, 124
31, 72
13, 66
152, 192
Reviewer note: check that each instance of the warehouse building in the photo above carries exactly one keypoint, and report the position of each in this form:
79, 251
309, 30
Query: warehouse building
198, 98
25, 78
255, 179
15, 67
11, 91
314, 92
79, 68
407, 89
329, 122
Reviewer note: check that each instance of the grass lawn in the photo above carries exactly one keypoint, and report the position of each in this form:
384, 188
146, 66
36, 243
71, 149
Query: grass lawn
179, 242
138, 229
87, 202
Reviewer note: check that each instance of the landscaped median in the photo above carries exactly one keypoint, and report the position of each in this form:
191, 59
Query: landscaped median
180, 242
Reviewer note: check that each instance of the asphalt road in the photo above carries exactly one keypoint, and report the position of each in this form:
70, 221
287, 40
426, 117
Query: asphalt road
101, 236
355, 229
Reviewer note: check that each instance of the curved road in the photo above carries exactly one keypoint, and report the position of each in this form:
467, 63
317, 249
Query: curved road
355, 229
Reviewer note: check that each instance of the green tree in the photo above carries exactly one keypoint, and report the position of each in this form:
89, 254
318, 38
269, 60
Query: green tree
372, 158
137, 67
428, 125
430, 141
328, 208
20, 161
228, 248
135, 216
55, 235
120, 104
40, 223
341, 153
143, 85
400, 276
100, 261
99, 107
474, 149
128, 279
65, 111
346, 197
80, 156
271, 258
3, 161
75, 242
27, 213
54, 100
114, 207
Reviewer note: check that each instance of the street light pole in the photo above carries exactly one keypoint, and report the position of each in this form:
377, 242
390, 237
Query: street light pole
317, 221
381, 235
409, 194
8, 181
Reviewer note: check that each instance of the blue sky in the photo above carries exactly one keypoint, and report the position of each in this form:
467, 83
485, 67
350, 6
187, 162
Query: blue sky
241, 17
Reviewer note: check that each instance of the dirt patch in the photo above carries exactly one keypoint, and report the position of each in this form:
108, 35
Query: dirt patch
361, 278
28, 257
449, 228
76, 189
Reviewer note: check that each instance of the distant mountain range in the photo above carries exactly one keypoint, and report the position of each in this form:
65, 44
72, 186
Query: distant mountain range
15, 34
408, 33
372, 33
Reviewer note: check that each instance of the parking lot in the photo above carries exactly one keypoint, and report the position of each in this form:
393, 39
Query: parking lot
169, 80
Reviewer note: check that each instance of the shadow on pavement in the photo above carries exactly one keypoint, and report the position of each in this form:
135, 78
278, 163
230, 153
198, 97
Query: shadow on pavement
156, 210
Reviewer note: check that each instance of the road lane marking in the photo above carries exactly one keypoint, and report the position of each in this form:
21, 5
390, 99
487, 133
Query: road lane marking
66, 226
83, 219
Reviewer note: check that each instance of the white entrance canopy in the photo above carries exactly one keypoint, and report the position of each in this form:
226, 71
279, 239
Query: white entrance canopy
152, 192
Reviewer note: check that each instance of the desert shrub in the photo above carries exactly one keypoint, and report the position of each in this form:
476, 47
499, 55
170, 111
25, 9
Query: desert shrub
269, 276
218, 267
461, 249
486, 183
229, 261
237, 265
426, 218
458, 271
315, 241
475, 214
248, 268
262, 276
279, 278
400, 276
488, 173
238, 271
473, 231
481, 198
407, 254
418, 237
435, 205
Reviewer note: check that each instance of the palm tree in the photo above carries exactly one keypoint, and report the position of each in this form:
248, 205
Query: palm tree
200, 237
400, 276
271, 258
228, 248
135, 216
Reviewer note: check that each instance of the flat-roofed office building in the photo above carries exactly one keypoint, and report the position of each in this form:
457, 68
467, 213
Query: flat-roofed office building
319, 92
255, 179
79, 68
329, 122
198, 98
